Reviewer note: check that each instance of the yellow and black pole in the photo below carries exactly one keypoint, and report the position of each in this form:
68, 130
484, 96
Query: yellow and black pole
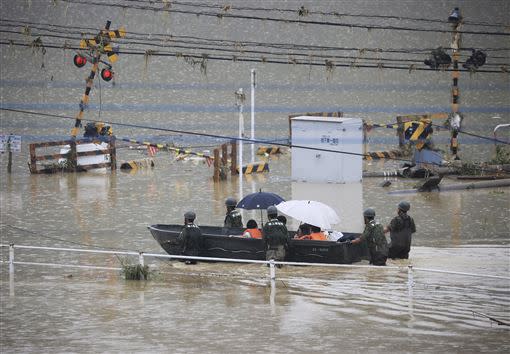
90, 80
101, 44
456, 20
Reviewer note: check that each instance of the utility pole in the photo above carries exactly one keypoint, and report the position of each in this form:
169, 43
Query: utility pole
456, 19
240, 98
253, 84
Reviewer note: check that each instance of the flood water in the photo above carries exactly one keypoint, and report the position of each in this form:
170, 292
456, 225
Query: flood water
231, 308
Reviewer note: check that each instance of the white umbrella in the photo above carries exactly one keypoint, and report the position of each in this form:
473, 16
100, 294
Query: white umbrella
310, 212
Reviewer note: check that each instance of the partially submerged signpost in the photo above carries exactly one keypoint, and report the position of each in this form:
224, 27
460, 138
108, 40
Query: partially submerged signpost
10, 143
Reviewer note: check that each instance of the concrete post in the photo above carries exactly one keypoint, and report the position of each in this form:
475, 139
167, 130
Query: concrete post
140, 259
11, 259
272, 270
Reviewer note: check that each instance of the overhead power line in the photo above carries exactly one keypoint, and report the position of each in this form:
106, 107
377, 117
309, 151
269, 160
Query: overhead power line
202, 59
231, 50
222, 15
304, 12
216, 136
165, 40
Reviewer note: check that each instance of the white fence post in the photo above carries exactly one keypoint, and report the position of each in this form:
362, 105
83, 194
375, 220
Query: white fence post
272, 271
140, 259
410, 281
11, 258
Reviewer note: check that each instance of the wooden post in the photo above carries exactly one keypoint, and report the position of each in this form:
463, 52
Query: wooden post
113, 154
9, 162
73, 158
224, 154
216, 176
400, 132
233, 158
33, 161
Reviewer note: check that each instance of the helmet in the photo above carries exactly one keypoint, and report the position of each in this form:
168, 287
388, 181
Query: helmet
189, 215
271, 210
230, 202
369, 213
404, 206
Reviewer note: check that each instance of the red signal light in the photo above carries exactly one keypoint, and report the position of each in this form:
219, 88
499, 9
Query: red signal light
106, 74
79, 61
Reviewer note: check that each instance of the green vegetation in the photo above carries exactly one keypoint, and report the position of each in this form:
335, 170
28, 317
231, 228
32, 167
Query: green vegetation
135, 271
470, 169
502, 156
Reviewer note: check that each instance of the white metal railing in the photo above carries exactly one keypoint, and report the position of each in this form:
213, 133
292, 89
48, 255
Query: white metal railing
271, 263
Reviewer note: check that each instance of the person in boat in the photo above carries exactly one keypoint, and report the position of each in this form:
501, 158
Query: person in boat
283, 219
233, 218
275, 235
303, 230
374, 236
190, 237
314, 233
252, 230
401, 229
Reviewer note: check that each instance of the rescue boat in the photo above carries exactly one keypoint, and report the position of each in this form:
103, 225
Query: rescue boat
221, 242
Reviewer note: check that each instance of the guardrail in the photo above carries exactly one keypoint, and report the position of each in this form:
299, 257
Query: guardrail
272, 263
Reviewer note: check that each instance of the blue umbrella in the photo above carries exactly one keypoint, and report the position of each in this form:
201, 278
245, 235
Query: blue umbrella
259, 200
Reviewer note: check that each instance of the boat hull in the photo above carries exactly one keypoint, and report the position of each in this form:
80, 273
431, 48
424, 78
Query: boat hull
225, 243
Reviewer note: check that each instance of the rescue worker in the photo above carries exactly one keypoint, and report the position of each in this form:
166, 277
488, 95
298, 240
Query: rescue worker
275, 235
233, 218
401, 229
190, 237
252, 230
374, 236
283, 219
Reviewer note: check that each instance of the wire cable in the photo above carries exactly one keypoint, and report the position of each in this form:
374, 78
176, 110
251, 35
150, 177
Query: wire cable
305, 12
281, 20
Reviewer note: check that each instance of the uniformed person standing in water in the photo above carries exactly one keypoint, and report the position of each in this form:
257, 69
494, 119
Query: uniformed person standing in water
190, 237
401, 229
233, 217
374, 236
275, 236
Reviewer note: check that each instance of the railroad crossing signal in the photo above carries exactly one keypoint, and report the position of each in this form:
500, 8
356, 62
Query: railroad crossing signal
91, 50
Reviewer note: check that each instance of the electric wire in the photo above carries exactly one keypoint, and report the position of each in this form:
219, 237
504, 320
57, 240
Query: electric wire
230, 138
305, 12
282, 20
203, 58
238, 51
28, 25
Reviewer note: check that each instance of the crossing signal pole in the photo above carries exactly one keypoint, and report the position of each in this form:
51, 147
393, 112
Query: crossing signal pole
93, 49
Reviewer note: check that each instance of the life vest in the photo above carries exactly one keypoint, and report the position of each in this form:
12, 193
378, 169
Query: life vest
318, 236
254, 233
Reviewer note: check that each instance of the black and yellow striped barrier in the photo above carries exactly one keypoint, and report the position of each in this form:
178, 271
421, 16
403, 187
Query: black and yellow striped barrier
377, 155
136, 164
178, 151
255, 167
270, 150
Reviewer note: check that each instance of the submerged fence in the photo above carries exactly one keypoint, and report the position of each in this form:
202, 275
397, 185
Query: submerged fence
271, 263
